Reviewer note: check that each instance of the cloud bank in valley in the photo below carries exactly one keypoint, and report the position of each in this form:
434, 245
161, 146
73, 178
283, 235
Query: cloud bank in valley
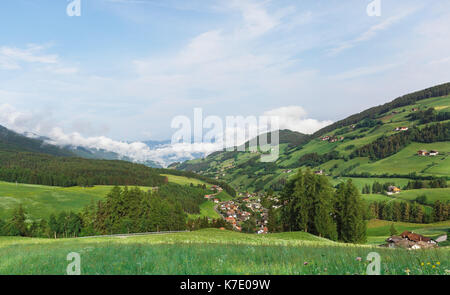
291, 117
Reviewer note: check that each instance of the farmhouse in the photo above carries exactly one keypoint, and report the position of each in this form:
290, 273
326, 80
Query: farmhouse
422, 153
410, 240
401, 129
318, 172
433, 153
393, 190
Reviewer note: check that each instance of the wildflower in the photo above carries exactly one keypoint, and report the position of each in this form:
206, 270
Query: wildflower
438, 263
358, 258
428, 263
407, 271
434, 266
305, 263
422, 264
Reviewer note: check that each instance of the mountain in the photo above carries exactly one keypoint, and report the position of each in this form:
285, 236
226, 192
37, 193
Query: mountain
381, 142
92, 153
12, 141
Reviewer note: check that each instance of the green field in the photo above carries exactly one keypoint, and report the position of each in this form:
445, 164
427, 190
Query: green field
182, 180
40, 201
441, 194
211, 252
407, 161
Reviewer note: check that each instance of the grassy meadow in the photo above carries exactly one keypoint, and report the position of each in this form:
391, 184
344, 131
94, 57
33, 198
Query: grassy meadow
212, 252
40, 201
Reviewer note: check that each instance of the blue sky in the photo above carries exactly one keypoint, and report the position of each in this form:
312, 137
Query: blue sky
124, 69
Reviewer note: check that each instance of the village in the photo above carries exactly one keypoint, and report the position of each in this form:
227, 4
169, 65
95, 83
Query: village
242, 209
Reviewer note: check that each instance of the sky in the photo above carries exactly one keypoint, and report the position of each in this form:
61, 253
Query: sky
123, 69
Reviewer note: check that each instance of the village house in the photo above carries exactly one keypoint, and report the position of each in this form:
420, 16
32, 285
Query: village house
393, 190
433, 153
422, 153
414, 109
401, 129
319, 172
410, 240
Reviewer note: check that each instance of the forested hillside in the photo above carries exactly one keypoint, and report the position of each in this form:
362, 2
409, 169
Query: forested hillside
12, 141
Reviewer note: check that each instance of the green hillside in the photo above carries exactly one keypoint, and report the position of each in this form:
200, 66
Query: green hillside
426, 114
12, 141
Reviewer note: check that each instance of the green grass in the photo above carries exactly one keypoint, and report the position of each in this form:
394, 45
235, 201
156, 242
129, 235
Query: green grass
441, 194
182, 180
210, 252
407, 161
40, 201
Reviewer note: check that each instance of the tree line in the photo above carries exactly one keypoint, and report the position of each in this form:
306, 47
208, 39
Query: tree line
407, 212
124, 210
429, 115
33, 168
380, 188
311, 204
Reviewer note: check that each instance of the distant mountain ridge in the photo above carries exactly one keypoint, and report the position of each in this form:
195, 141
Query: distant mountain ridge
12, 141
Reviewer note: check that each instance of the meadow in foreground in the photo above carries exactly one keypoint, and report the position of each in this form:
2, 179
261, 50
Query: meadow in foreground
212, 252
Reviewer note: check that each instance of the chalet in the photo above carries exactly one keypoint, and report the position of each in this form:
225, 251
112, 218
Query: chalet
416, 237
414, 109
433, 153
393, 190
410, 240
318, 172
422, 153
401, 129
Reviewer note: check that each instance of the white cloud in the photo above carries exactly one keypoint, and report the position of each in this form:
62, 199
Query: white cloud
11, 57
294, 118
364, 71
372, 31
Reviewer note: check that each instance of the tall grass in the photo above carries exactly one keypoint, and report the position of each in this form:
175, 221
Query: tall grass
212, 252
